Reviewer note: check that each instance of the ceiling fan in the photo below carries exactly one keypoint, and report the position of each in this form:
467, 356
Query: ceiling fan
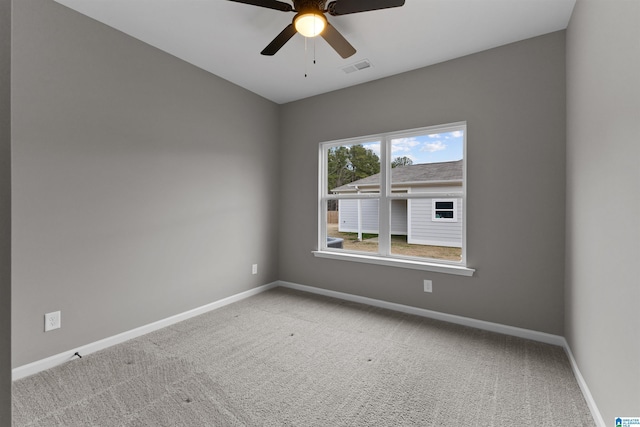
310, 20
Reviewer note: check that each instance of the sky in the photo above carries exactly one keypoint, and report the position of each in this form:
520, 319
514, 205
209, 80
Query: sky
437, 147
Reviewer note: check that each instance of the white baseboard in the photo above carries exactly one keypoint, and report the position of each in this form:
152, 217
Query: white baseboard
58, 359
466, 321
591, 403
451, 318
50, 362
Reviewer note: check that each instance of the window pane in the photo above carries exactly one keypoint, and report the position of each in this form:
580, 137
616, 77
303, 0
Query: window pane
427, 163
444, 205
353, 168
444, 214
353, 225
421, 204
414, 234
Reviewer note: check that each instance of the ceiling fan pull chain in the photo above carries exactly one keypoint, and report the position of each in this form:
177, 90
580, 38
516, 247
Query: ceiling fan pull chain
315, 22
305, 57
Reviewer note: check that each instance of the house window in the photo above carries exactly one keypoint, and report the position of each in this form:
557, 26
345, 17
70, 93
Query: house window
395, 199
444, 210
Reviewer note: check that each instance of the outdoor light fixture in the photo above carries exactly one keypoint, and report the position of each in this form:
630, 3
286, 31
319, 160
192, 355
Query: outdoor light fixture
310, 24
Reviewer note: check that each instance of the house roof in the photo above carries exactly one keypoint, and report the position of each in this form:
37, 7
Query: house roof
424, 174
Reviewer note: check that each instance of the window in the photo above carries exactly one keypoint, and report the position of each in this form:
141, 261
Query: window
444, 210
395, 199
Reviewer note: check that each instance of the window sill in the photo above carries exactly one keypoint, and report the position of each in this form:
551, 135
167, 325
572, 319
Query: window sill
396, 262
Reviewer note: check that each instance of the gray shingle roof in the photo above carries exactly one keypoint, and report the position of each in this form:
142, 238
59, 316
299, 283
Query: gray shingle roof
422, 173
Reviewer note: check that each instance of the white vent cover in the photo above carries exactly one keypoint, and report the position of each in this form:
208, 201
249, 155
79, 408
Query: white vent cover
358, 66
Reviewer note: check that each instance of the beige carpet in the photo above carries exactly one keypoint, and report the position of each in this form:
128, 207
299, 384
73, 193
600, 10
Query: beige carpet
287, 358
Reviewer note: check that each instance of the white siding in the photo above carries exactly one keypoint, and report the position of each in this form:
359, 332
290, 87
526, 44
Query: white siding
399, 217
439, 189
424, 231
348, 216
412, 218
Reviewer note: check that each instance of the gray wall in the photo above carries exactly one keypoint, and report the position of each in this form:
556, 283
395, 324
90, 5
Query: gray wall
140, 191
142, 186
5, 213
603, 201
513, 99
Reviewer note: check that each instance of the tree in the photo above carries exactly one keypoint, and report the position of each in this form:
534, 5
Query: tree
347, 164
401, 161
338, 167
364, 162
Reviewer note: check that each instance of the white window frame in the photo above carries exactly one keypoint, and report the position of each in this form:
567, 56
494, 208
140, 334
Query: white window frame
385, 197
434, 218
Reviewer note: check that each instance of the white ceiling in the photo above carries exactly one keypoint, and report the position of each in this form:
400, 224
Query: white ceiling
225, 38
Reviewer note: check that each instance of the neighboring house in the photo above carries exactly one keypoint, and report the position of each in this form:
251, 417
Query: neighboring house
430, 221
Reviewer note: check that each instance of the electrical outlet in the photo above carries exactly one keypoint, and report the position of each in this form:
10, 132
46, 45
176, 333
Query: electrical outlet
428, 286
52, 321
254, 269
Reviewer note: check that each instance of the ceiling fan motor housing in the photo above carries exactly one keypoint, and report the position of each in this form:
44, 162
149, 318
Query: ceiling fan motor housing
315, 23
306, 6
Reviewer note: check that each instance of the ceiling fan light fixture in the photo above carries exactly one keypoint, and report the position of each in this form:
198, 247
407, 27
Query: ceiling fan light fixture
310, 24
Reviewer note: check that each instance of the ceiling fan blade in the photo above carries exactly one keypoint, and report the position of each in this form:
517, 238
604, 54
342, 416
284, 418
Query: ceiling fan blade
344, 7
269, 4
337, 41
279, 41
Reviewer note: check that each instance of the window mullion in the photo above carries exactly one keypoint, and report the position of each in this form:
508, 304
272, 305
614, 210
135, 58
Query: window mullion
322, 202
428, 202
384, 215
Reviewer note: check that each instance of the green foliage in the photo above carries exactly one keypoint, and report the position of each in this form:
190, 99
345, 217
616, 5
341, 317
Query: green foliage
347, 164
364, 162
401, 161
338, 169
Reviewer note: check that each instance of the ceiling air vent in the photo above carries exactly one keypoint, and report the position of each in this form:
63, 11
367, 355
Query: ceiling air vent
358, 66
